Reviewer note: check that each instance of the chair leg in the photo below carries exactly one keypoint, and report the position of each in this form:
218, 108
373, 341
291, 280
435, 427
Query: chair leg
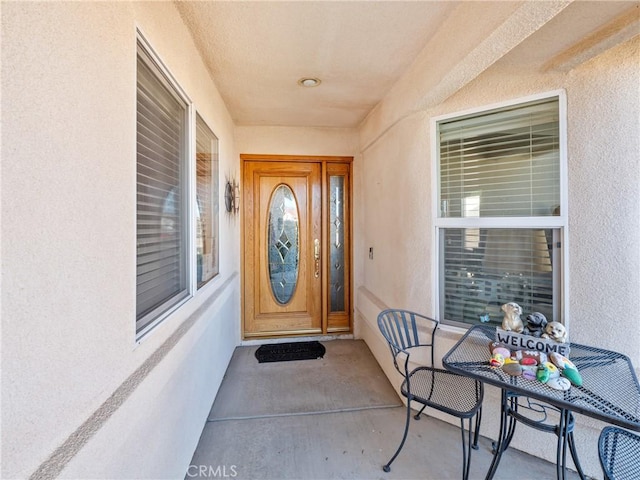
477, 430
387, 467
466, 448
417, 415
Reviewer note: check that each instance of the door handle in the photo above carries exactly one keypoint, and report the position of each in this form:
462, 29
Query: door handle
316, 256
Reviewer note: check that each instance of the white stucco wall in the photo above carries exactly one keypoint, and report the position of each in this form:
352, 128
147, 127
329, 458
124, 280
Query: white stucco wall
79, 397
297, 140
604, 204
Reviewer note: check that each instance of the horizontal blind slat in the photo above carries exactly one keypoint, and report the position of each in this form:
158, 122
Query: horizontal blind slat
484, 268
512, 118
161, 205
501, 163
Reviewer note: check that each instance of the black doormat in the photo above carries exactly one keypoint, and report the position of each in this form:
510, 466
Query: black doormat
284, 352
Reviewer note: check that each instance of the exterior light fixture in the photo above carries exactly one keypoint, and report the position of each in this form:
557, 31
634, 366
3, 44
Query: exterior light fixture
309, 82
232, 196
229, 197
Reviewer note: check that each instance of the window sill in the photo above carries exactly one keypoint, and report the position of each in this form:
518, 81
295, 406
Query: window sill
452, 331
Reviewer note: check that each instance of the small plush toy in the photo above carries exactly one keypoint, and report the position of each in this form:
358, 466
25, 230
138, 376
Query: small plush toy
512, 320
535, 324
555, 331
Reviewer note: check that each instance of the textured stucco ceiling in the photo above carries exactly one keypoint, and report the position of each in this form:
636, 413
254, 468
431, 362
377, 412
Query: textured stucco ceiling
257, 51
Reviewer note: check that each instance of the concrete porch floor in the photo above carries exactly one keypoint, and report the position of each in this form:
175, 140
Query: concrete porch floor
332, 418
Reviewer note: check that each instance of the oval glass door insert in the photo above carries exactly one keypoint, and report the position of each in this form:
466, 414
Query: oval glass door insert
283, 244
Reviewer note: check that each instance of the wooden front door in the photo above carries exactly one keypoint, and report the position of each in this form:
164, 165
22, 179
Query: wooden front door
286, 271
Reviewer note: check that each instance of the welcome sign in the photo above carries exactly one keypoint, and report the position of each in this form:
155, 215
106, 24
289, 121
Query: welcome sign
518, 341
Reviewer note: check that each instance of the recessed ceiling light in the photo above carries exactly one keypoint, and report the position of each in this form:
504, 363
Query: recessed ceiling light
309, 82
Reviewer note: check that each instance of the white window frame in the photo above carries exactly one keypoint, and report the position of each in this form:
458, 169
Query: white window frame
556, 222
158, 315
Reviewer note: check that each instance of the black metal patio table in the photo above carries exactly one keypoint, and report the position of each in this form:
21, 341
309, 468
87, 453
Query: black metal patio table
609, 392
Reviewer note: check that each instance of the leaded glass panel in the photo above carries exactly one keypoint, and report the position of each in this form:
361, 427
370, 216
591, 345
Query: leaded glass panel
283, 244
336, 243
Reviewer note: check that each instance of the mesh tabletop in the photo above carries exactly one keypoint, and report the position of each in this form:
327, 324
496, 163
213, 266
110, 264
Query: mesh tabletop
609, 391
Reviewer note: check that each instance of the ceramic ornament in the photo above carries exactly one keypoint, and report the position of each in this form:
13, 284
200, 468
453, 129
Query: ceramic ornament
567, 368
512, 320
559, 383
535, 324
555, 331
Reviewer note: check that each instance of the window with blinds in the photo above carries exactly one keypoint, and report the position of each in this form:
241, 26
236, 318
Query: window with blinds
494, 164
162, 197
206, 202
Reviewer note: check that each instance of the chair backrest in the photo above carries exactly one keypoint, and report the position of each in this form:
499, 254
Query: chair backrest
618, 449
404, 330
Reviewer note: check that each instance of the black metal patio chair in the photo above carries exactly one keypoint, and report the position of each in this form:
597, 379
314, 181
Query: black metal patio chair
619, 452
406, 332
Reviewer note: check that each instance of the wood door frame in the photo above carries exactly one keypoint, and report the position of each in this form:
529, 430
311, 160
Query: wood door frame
323, 160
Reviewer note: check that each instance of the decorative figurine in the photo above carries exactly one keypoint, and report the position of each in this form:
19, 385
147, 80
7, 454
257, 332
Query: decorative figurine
535, 324
512, 320
555, 331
